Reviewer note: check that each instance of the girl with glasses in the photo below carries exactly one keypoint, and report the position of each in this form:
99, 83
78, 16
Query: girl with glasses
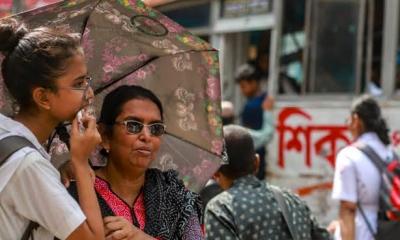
137, 200
44, 70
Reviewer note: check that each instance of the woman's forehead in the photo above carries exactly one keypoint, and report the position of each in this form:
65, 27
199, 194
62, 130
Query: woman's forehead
143, 109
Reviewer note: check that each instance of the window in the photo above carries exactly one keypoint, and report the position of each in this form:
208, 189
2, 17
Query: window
193, 16
240, 8
323, 53
333, 50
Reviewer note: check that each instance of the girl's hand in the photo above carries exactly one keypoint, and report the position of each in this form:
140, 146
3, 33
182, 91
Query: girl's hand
83, 142
67, 173
118, 228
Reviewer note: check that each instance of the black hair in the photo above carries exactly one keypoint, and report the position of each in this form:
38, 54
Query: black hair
240, 150
226, 120
33, 58
368, 110
114, 101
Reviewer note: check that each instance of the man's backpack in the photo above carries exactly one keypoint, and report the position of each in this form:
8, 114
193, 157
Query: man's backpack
8, 146
389, 196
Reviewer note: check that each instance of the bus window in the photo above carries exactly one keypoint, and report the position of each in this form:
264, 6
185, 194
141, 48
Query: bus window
292, 47
323, 53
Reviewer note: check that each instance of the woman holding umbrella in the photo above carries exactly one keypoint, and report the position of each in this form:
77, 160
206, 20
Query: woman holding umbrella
133, 197
45, 72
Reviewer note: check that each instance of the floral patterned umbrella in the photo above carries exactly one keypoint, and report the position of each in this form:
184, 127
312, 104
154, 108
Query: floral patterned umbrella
126, 42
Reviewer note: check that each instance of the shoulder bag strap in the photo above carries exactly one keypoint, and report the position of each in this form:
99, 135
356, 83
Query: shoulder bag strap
8, 146
285, 211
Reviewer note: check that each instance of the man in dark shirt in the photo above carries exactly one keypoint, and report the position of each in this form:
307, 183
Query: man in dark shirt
247, 208
252, 114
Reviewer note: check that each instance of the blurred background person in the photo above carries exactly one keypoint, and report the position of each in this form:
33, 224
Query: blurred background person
260, 138
356, 179
252, 113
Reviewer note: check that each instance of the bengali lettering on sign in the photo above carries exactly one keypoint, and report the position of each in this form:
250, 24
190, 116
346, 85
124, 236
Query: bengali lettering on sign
303, 138
303, 152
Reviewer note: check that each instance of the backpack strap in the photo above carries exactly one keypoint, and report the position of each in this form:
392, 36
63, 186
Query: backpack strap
8, 146
278, 195
366, 220
372, 155
380, 165
32, 226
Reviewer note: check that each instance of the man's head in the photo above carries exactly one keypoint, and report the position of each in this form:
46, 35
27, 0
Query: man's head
248, 80
228, 114
241, 154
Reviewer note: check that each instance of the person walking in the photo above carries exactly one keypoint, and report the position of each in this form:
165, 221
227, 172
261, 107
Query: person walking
357, 181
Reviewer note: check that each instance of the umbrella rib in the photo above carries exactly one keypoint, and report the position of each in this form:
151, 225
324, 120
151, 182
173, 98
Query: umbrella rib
178, 153
188, 142
99, 90
87, 19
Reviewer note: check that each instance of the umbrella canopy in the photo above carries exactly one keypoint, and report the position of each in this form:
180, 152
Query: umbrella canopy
127, 43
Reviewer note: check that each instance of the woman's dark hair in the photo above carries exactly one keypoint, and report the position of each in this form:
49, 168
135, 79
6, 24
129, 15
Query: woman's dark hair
33, 58
114, 101
368, 110
240, 150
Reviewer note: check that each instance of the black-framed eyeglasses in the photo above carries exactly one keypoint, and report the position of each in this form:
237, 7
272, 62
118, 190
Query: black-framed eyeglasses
135, 127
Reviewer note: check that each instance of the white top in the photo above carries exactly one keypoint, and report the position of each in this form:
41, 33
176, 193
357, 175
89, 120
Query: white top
358, 180
30, 189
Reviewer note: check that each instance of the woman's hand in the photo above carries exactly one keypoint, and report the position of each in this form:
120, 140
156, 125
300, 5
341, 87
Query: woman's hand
118, 228
83, 142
